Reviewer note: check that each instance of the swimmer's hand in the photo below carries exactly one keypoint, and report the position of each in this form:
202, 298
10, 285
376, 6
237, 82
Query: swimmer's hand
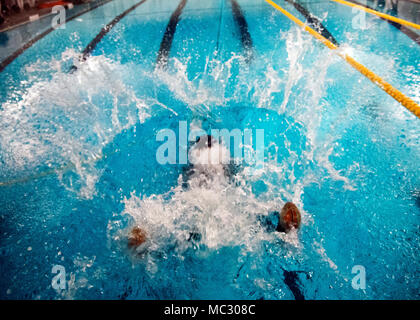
289, 218
136, 237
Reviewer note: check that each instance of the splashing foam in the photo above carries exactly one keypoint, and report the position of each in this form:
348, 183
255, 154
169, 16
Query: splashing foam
307, 106
57, 122
303, 89
65, 122
225, 214
212, 211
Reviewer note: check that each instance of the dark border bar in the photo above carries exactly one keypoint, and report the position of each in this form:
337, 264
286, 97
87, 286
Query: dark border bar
206, 309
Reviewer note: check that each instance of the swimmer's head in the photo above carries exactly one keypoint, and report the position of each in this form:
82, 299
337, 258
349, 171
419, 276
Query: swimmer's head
209, 162
208, 151
289, 218
205, 141
136, 237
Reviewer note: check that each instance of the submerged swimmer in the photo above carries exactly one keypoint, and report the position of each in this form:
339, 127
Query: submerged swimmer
204, 170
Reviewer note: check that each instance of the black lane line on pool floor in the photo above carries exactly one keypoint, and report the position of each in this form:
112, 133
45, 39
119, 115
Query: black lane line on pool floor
408, 32
314, 22
168, 36
31, 42
92, 45
246, 39
219, 30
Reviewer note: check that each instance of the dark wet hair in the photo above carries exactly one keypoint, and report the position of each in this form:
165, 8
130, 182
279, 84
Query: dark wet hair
205, 141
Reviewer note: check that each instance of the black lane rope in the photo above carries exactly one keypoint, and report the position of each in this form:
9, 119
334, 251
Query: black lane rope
314, 22
407, 31
31, 42
246, 39
168, 36
92, 45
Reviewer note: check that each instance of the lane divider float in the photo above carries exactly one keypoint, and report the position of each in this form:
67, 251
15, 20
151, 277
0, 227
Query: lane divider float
407, 102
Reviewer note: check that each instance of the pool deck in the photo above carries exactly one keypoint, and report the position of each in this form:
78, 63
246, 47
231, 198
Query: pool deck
30, 15
408, 8
27, 16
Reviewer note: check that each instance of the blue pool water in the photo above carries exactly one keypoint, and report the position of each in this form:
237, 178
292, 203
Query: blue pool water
78, 161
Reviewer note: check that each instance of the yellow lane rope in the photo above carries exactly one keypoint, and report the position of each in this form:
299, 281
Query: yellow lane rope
380, 14
385, 86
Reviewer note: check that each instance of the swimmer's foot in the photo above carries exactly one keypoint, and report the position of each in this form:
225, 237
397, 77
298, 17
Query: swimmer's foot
289, 218
136, 237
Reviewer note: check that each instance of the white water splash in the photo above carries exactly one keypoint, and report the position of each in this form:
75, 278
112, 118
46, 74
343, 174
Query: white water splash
67, 121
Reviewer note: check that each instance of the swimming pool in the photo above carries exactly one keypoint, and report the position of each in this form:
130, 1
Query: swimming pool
78, 160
